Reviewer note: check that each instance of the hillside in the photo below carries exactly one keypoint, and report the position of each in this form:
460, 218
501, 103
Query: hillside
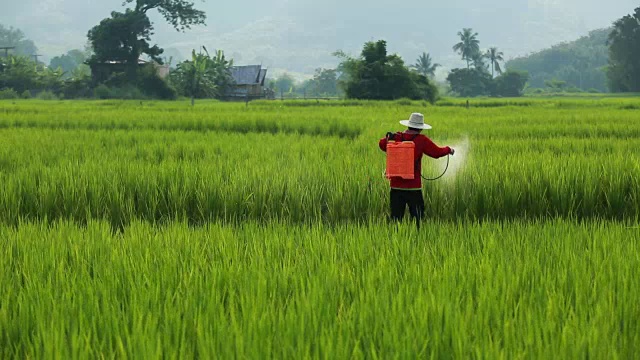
579, 63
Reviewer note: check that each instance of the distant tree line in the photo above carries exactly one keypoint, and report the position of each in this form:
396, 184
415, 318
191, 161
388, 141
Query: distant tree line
323, 84
606, 59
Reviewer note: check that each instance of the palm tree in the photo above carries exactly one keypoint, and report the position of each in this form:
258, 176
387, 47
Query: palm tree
468, 45
424, 65
494, 56
477, 60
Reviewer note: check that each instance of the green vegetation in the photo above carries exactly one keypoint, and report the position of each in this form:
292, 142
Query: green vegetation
575, 159
375, 75
204, 76
578, 65
476, 80
124, 37
624, 51
539, 290
155, 229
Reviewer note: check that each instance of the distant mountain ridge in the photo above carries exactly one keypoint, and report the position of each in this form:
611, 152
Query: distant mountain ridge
581, 63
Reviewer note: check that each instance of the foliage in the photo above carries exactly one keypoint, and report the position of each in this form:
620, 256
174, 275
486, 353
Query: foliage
470, 82
580, 63
325, 82
468, 47
510, 84
22, 74
47, 95
181, 14
19, 73
477, 60
77, 87
125, 36
8, 94
424, 65
72, 64
495, 57
203, 76
284, 83
378, 76
16, 38
152, 85
624, 51
127, 92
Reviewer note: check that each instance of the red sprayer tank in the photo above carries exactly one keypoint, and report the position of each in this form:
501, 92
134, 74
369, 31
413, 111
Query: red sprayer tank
400, 159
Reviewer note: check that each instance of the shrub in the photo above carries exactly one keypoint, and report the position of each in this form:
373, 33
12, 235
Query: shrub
26, 94
47, 95
153, 85
102, 92
8, 94
404, 102
77, 88
510, 84
470, 82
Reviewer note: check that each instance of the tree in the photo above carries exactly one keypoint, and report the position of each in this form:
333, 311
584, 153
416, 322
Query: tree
203, 76
510, 83
555, 85
494, 56
470, 82
21, 74
125, 36
376, 75
181, 14
71, 63
468, 46
477, 59
624, 51
284, 83
11, 37
325, 82
424, 65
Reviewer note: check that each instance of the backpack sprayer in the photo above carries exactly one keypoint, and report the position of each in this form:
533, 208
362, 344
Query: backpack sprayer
401, 161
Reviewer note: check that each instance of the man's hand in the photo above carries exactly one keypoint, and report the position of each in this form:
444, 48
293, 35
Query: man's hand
452, 151
390, 136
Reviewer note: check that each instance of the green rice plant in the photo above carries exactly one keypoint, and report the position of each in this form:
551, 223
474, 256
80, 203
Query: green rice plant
276, 290
122, 161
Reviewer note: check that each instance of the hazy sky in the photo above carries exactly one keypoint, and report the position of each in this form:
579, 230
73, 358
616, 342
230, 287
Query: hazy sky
300, 35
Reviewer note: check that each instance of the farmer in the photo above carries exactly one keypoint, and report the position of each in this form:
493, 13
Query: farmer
409, 192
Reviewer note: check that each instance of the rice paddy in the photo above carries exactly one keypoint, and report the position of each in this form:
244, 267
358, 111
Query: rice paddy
149, 230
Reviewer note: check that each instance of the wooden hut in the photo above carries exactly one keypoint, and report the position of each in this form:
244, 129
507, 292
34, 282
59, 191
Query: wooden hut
248, 83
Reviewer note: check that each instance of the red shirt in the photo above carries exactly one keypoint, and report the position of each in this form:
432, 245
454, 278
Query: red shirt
425, 146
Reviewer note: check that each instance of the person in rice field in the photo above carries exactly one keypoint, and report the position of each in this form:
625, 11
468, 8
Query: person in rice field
408, 192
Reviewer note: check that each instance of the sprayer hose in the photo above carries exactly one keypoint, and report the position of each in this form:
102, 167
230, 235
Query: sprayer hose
441, 175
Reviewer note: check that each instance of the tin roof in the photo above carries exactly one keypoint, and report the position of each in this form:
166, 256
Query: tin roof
248, 75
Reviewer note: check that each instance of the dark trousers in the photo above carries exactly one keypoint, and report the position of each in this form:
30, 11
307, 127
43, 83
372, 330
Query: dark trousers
400, 199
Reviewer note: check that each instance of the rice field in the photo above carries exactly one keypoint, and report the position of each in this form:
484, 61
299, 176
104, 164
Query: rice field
154, 230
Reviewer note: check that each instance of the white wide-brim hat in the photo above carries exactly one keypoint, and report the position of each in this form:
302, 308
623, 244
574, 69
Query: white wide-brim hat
416, 121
